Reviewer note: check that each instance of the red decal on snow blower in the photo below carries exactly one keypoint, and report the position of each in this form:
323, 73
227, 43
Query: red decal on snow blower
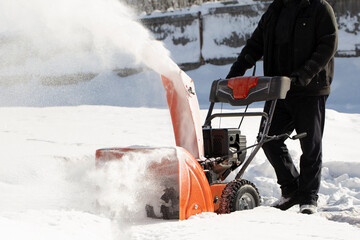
241, 86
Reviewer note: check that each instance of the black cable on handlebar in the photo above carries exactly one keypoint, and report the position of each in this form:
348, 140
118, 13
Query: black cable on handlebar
242, 119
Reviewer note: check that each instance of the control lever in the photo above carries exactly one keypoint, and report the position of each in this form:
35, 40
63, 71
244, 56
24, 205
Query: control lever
299, 136
295, 137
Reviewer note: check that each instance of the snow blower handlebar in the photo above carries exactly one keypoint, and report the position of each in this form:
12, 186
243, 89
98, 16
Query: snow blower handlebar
242, 91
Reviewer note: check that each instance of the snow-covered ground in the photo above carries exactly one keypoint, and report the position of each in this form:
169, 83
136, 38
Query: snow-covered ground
49, 132
48, 179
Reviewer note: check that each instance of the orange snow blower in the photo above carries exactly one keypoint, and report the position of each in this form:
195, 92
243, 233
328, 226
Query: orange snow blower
193, 173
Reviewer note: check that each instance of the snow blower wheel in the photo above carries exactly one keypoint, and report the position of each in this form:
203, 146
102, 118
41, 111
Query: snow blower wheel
238, 195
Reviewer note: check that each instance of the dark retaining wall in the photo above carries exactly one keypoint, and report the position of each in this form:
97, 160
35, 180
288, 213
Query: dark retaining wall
194, 48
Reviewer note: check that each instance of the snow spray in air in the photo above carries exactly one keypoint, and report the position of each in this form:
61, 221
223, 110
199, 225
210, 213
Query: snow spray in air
137, 179
51, 37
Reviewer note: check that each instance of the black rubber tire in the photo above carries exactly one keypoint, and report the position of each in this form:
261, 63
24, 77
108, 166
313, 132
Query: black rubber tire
239, 195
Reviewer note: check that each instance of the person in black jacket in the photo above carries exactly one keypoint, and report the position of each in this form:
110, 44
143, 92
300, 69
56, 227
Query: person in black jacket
298, 39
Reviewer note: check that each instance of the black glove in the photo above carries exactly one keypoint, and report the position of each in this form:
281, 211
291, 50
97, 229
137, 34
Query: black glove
232, 74
294, 80
240, 66
236, 70
298, 81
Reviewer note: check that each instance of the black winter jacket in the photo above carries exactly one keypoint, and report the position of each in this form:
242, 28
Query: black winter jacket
313, 45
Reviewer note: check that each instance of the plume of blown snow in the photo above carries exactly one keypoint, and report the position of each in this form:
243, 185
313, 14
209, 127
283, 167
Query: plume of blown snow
51, 37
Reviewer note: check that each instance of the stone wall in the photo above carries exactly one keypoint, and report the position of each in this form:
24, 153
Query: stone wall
149, 6
194, 40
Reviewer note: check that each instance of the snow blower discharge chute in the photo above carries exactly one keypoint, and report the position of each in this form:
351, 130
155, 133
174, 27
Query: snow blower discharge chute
192, 173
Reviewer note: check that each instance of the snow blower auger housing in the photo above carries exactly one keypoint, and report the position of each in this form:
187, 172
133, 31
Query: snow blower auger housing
193, 173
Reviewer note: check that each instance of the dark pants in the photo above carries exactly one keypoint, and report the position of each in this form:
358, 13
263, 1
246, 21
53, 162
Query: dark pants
302, 114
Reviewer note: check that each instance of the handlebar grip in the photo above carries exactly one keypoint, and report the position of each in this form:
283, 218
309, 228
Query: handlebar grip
299, 136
